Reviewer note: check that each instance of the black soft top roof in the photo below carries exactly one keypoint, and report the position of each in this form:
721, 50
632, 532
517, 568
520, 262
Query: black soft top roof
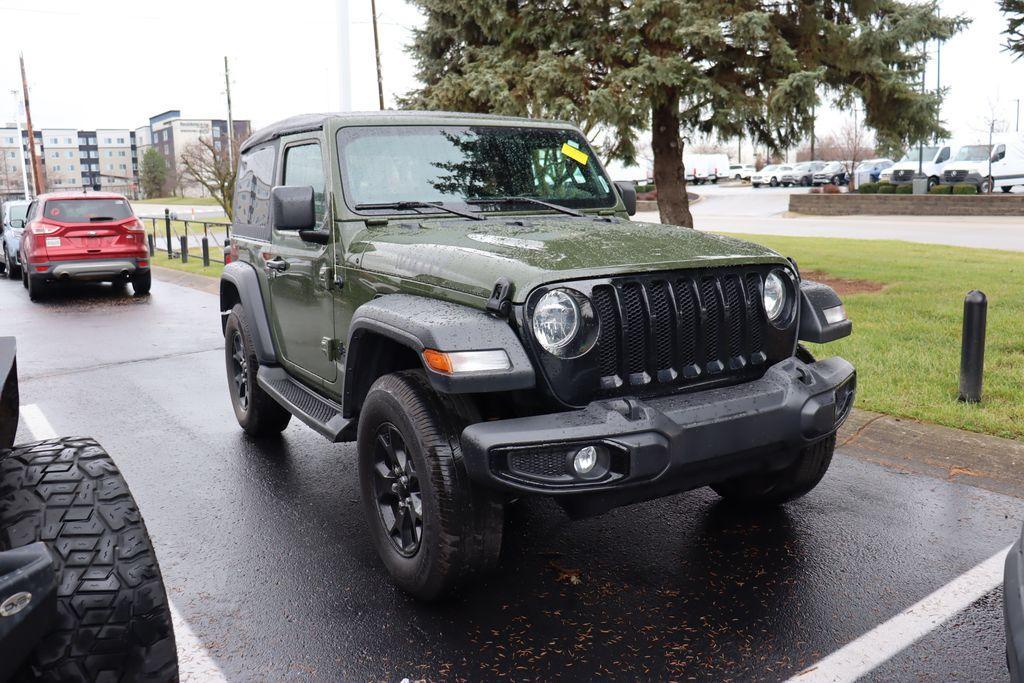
304, 123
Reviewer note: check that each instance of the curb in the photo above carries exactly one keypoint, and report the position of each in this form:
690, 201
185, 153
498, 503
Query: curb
988, 462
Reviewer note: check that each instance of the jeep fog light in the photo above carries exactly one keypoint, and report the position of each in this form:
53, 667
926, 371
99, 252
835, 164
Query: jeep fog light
585, 460
458, 362
836, 314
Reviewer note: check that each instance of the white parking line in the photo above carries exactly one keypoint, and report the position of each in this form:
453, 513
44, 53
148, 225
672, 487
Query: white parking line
195, 665
882, 643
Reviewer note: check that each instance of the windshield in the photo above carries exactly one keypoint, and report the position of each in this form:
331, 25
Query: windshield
870, 163
16, 212
928, 153
387, 164
972, 153
86, 210
769, 167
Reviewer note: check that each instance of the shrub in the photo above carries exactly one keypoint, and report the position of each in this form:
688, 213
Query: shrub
644, 187
868, 188
830, 189
965, 188
815, 190
904, 189
941, 189
886, 188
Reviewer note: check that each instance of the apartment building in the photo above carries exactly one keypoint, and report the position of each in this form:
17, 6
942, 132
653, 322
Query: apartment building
108, 158
171, 134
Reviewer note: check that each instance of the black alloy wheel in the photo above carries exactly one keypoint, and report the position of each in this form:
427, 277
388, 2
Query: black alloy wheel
240, 370
396, 489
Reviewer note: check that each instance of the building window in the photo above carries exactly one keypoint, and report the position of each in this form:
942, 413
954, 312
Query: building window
92, 140
67, 141
53, 141
122, 153
110, 153
83, 141
56, 167
216, 145
55, 155
71, 167
106, 141
71, 154
120, 141
57, 181
123, 167
9, 141
110, 167
72, 181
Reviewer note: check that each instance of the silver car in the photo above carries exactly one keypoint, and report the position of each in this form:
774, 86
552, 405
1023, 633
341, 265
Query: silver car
10, 236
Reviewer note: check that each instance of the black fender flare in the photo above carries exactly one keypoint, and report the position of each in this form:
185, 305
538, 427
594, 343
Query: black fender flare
420, 323
815, 299
243, 278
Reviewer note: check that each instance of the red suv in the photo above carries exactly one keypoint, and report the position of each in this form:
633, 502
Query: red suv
88, 236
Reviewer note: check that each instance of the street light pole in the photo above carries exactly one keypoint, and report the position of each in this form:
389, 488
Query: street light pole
37, 171
21, 152
344, 58
1017, 125
376, 52
231, 120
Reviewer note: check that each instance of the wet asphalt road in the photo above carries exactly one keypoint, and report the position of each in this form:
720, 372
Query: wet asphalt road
264, 551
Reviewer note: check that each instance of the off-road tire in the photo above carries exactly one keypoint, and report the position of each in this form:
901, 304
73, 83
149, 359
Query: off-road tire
985, 185
37, 288
262, 416
113, 621
774, 182
461, 524
775, 488
142, 282
1006, 188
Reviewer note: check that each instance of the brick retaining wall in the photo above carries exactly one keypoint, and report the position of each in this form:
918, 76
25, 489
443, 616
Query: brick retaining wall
907, 205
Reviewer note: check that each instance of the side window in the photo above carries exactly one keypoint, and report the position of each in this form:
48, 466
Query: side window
943, 155
30, 215
304, 165
253, 184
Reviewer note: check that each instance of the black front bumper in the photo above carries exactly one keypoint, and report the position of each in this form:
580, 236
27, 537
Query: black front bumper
659, 446
1013, 609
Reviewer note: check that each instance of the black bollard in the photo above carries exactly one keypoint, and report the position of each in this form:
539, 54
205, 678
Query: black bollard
972, 348
184, 249
167, 225
206, 252
152, 243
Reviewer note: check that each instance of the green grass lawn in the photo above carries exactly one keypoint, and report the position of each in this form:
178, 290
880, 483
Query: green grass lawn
195, 262
192, 201
906, 338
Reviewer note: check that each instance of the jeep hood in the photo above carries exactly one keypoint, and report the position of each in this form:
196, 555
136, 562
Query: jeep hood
468, 256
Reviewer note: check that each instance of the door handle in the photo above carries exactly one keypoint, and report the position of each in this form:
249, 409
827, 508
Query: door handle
278, 265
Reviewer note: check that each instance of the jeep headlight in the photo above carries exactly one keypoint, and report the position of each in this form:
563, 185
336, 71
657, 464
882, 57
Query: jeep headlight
556, 320
775, 295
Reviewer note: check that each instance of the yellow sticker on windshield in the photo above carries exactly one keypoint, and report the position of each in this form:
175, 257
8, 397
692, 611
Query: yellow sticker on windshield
575, 154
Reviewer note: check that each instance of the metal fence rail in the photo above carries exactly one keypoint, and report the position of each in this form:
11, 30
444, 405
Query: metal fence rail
179, 237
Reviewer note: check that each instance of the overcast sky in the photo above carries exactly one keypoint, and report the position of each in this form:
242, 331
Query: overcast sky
114, 63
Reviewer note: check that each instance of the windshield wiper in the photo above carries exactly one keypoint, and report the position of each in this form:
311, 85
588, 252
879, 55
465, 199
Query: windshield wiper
529, 200
402, 206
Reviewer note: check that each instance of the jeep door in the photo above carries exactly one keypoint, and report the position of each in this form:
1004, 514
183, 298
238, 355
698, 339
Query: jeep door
299, 271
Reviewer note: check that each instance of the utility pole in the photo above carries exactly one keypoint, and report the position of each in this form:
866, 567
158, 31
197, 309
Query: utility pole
231, 120
1017, 125
344, 58
376, 52
812, 132
21, 152
37, 172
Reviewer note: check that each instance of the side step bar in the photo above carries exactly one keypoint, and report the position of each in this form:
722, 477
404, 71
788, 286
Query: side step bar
321, 414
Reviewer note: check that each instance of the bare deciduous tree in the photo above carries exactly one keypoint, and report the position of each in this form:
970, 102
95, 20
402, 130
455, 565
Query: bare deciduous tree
209, 166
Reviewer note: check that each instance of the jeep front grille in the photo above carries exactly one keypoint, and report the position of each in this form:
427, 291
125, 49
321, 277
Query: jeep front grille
676, 327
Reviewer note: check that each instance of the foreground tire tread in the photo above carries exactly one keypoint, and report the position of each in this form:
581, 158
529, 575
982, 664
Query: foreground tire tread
462, 524
113, 620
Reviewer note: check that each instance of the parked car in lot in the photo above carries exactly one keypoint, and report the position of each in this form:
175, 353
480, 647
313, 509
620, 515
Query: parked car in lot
833, 172
742, 171
81, 595
83, 236
930, 160
985, 167
705, 168
11, 225
770, 175
872, 168
1013, 609
802, 173
494, 326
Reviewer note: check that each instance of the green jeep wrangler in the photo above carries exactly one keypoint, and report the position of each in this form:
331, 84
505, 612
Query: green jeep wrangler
466, 298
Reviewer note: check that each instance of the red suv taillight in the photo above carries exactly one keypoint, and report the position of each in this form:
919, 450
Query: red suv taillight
41, 228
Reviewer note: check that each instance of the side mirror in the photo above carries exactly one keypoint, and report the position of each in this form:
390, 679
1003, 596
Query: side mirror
998, 156
293, 207
17, 223
627, 190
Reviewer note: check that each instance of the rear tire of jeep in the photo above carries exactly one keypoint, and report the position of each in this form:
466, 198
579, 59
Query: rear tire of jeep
775, 488
257, 413
113, 620
432, 527
142, 283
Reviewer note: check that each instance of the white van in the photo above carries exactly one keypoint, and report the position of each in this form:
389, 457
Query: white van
971, 164
702, 168
935, 158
